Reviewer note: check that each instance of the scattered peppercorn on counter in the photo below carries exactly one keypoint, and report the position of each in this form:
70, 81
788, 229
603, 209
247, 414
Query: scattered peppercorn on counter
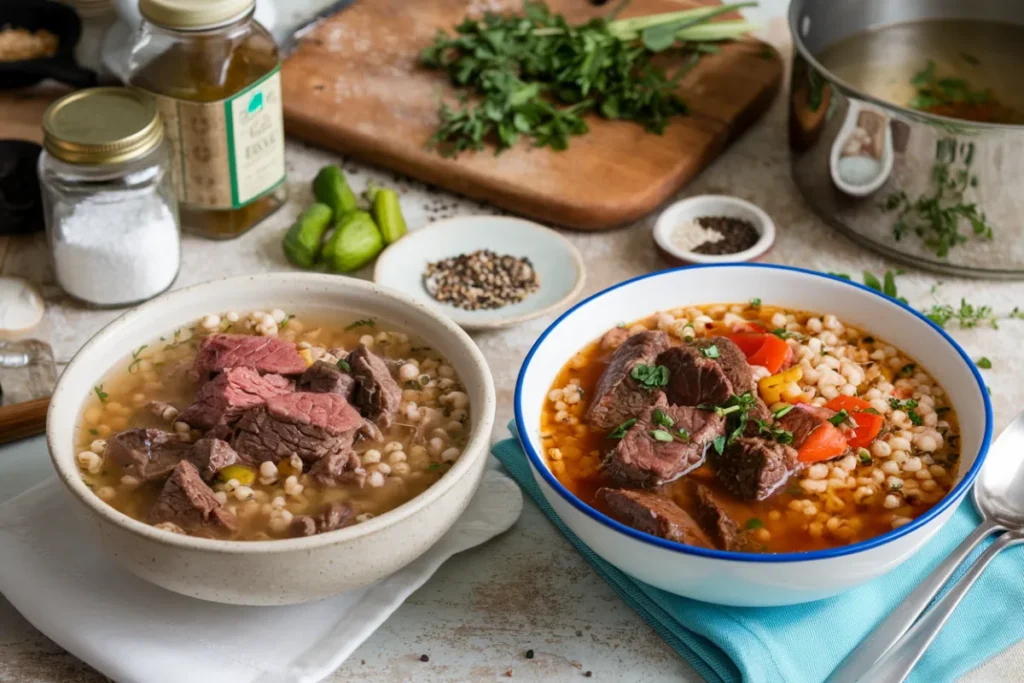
356, 236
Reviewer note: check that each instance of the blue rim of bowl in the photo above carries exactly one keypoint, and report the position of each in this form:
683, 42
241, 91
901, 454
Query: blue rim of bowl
953, 496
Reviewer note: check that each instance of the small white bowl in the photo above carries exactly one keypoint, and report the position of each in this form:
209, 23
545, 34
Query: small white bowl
752, 579
285, 571
557, 262
707, 205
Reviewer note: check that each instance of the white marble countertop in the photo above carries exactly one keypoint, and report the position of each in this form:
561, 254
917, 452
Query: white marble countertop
528, 589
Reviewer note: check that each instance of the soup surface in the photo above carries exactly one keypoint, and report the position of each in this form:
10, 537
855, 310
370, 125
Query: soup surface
751, 428
260, 425
956, 68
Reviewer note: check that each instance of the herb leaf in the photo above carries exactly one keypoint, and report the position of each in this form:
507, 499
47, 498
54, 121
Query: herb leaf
650, 376
753, 523
367, 322
659, 417
719, 444
134, 365
102, 395
710, 351
984, 363
621, 430
343, 365
755, 303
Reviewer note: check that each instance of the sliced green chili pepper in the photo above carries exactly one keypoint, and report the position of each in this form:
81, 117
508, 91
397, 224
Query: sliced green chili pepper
302, 241
387, 212
356, 241
331, 188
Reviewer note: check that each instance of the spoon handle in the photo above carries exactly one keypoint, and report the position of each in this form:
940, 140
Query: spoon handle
886, 633
896, 664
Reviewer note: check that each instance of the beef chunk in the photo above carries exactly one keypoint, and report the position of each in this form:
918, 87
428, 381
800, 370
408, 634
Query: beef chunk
641, 460
211, 455
752, 468
618, 397
146, 454
653, 514
219, 352
694, 378
223, 399
309, 425
803, 420
378, 395
190, 504
337, 467
715, 521
733, 361
332, 517
325, 378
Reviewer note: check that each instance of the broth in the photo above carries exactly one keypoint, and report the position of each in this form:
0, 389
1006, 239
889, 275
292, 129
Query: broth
985, 56
832, 503
428, 432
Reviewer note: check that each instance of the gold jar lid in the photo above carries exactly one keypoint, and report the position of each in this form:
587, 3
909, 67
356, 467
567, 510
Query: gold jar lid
194, 14
101, 126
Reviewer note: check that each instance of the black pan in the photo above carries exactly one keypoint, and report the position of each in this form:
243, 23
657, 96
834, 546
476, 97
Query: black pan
59, 20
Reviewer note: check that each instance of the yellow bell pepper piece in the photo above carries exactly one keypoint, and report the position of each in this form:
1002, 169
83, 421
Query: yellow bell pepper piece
246, 476
771, 388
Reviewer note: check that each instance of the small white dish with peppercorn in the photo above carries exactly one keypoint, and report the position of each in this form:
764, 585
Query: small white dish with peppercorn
713, 229
484, 272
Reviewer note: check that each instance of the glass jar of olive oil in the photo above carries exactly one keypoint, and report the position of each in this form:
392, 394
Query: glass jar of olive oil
215, 75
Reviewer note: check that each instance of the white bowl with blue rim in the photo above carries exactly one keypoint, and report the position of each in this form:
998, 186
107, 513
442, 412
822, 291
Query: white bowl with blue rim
558, 264
749, 579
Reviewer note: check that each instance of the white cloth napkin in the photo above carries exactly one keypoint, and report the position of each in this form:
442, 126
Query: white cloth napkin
130, 630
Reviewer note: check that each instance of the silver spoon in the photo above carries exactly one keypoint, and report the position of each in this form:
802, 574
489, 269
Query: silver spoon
999, 497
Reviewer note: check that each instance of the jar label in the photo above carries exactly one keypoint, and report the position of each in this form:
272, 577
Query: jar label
227, 153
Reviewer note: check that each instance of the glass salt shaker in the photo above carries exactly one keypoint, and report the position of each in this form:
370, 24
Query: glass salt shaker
109, 203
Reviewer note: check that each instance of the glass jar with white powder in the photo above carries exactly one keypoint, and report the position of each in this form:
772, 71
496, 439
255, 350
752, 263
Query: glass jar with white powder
111, 212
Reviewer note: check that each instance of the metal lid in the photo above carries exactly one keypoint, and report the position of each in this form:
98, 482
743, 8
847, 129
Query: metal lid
194, 14
101, 126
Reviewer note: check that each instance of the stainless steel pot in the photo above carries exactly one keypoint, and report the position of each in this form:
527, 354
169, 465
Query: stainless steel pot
861, 161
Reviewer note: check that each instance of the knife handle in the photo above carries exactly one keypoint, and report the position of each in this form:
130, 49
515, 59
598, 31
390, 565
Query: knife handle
23, 420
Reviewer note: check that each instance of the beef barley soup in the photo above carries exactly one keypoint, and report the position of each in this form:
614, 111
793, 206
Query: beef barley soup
752, 428
259, 426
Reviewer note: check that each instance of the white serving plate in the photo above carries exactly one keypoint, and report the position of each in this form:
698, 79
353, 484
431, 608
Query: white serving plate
557, 262
748, 579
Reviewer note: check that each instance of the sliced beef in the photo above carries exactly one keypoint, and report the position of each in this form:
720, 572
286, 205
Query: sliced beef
694, 378
325, 378
639, 459
715, 521
146, 454
378, 395
222, 400
752, 468
653, 514
337, 467
618, 397
803, 420
211, 455
332, 517
219, 352
189, 503
309, 425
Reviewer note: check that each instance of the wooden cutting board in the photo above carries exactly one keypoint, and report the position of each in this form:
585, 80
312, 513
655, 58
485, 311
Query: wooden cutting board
354, 85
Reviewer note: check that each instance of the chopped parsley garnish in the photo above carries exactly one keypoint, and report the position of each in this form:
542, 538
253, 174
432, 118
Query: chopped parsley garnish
907, 370
621, 430
783, 333
134, 365
650, 376
871, 410
710, 351
736, 411
839, 418
782, 411
779, 434
683, 434
659, 417
719, 444
175, 342
755, 303
753, 523
367, 322
102, 395
344, 366
984, 363
915, 418
967, 316
907, 405
660, 435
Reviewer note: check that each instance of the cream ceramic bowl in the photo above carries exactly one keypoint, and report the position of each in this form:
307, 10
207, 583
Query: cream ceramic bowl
747, 579
287, 571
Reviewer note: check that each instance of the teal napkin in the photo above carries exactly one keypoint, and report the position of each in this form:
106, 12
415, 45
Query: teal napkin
804, 643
